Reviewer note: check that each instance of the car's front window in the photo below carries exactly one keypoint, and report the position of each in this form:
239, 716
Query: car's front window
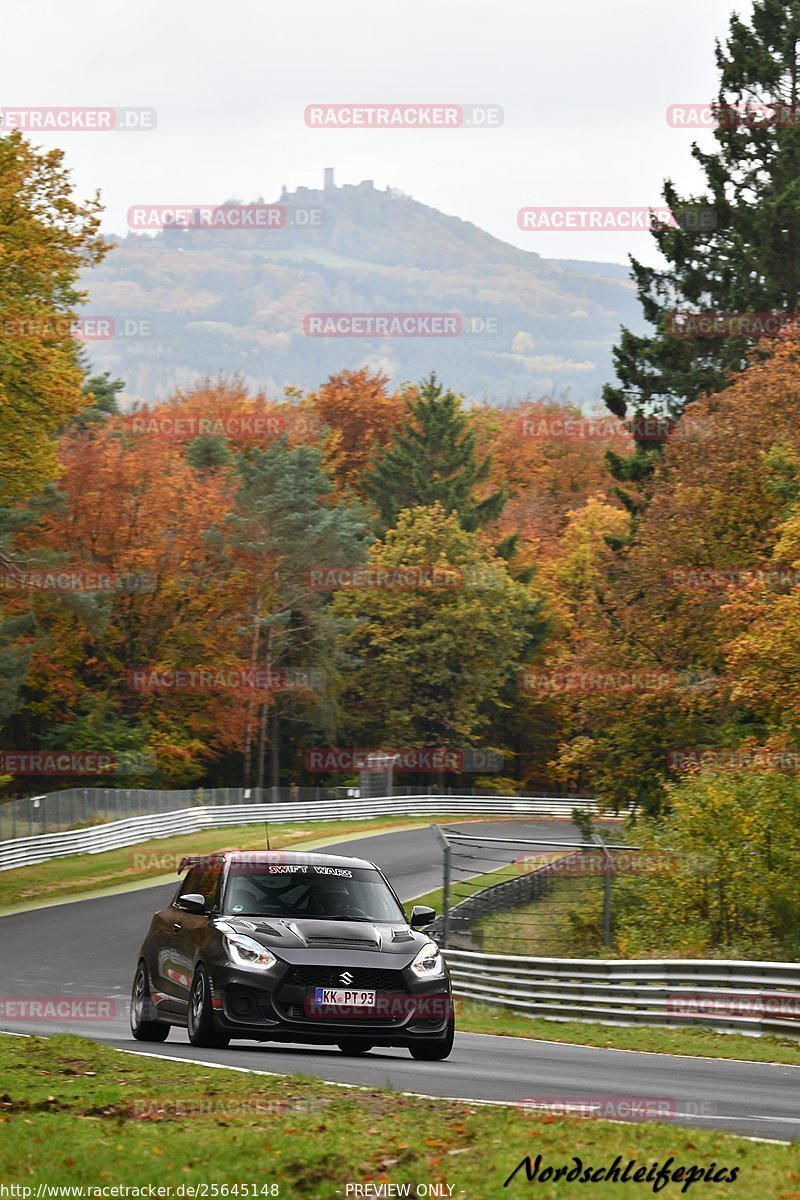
295, 891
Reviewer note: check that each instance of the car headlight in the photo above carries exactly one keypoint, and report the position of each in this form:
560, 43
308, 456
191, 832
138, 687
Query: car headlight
245, 951
428, 962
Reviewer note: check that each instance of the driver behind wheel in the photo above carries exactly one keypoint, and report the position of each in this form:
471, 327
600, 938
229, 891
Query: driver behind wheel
331, 899
243, 897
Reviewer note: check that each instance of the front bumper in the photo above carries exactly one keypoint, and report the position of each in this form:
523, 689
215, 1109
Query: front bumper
278, 1005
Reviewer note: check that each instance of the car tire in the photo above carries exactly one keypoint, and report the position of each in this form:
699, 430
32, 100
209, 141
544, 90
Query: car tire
200, 1014
434, 1051
142, 1028
352, 1046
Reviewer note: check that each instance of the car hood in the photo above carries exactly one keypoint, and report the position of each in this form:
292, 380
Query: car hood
386, 937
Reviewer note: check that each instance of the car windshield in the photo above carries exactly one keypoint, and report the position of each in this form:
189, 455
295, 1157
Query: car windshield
295, 891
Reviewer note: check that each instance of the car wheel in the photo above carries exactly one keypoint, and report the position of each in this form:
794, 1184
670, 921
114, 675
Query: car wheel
142, 1028
200, 1017
352, 1046
434, 1051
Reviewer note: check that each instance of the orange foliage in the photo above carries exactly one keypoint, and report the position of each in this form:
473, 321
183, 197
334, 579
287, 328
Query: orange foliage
361, 416
550, 458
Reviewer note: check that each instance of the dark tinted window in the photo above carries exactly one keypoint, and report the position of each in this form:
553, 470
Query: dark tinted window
190, 883
209, 884
203, 880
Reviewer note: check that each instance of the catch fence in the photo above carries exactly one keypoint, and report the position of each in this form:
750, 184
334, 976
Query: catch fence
522, 895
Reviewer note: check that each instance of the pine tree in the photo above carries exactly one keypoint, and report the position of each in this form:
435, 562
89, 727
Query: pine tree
749, 262
100, 394
431, 460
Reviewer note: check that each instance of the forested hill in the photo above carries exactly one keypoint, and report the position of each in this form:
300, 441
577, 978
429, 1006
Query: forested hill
199, 301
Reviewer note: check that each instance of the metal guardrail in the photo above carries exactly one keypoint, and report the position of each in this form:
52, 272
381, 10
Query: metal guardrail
727, 996
22, 852
73, 807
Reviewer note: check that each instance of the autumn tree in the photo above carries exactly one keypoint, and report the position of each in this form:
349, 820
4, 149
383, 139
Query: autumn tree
763, 655
431, 660
17, 625
282, 525
684, 600
549, 458
201, 500
46, 238
132, 508
360, 415
726, 872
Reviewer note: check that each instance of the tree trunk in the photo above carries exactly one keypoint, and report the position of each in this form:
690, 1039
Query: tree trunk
274, 751
265, 707
248, 739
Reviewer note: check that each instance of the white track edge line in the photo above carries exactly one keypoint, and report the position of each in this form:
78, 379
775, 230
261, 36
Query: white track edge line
750, 1062
365, 1087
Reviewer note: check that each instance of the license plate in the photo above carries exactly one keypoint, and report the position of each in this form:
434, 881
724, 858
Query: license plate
344, 997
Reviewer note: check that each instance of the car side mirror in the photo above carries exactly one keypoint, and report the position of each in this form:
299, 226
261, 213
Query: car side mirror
421, 915
193, 902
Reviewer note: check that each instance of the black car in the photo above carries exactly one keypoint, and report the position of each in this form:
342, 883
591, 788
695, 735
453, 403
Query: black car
310, 948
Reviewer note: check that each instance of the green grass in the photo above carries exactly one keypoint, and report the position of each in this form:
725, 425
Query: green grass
463, 887
78, 1113
567, 922
484, 1018
85, 873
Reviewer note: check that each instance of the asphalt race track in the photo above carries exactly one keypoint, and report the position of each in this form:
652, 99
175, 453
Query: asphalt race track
89, 948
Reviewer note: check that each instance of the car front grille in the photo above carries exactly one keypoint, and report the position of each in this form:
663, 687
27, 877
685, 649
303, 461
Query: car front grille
362, 978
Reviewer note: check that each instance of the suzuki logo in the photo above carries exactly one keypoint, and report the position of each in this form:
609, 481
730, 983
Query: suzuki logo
345, 978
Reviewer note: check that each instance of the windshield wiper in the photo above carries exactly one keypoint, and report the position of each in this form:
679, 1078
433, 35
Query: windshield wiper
363, 920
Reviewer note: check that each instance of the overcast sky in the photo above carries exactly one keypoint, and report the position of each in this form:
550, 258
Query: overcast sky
584, 87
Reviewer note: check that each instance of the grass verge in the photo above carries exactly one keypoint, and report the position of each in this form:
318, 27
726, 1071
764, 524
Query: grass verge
78, 1113
566, 922
463, 888
84, 873
484, 1018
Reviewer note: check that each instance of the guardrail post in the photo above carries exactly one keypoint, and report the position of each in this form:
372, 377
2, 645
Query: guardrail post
607, 872
446, 895
445, 884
